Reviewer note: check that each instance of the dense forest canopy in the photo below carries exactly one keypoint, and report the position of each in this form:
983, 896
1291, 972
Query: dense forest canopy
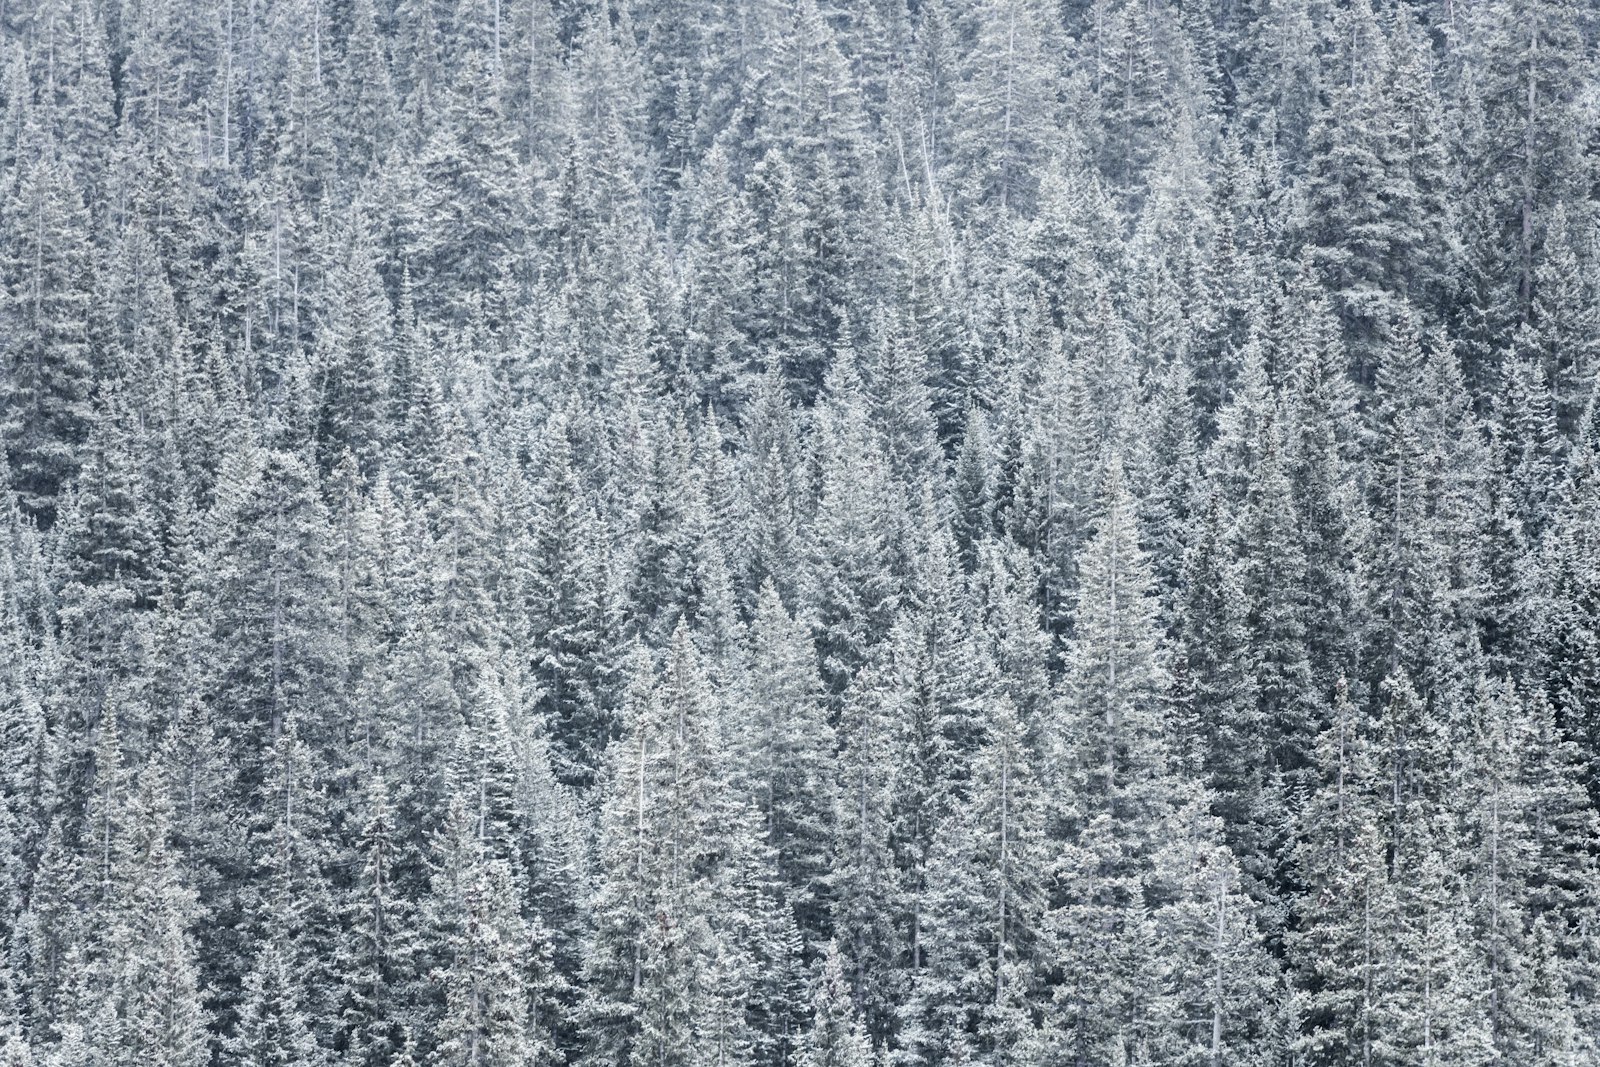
799, 533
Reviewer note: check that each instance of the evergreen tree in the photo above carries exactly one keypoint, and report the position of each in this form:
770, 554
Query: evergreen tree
863, 881
567, 600
852, 590
836, 1038
655, 945
151, 1007
1116, 682
1342, 934
787, 756
1006, 103
375, 958
48, 298
273, 1030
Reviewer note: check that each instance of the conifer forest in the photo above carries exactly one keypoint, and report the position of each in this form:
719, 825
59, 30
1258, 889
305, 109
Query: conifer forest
799, 533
